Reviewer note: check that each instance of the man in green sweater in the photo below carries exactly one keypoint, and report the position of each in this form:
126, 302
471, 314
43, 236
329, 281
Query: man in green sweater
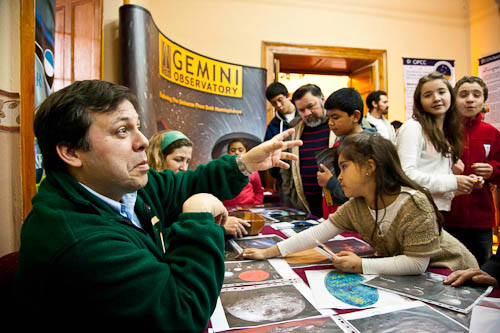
111, 244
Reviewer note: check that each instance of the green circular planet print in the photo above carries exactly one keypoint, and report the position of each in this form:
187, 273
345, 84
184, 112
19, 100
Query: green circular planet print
348, 289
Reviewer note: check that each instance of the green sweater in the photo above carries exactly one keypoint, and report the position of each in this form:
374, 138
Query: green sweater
82, 266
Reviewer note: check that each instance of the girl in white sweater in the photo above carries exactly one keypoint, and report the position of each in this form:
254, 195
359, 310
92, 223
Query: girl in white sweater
430, 144
396, 216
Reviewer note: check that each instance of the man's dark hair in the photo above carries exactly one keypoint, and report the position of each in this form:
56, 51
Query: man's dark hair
66, 115
301, 91
396, 124
347, 100
374, 96
275, 89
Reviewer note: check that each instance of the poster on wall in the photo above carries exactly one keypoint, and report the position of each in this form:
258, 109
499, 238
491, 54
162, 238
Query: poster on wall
489, 71
209, 100
44, 62
414, 69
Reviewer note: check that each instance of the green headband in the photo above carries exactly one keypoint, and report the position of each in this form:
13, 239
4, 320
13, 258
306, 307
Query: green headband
171, 137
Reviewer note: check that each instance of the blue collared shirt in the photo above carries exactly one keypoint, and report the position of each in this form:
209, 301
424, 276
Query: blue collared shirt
125, 207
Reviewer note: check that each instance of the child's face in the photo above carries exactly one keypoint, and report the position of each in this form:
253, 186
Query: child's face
282, 104
435, 98
340, 122
353, 178
237, 148
470, 99
179, 159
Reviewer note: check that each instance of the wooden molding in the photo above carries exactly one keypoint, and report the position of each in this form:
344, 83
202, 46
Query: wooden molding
270, 49
28, 175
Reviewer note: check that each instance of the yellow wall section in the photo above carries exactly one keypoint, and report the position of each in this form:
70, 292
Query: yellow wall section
484, 30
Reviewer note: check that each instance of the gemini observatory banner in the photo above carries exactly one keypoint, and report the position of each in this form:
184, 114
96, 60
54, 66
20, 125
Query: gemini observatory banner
210, 101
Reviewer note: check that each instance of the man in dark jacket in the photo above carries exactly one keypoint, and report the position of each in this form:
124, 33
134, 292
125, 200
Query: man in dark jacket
111, 244
284, 112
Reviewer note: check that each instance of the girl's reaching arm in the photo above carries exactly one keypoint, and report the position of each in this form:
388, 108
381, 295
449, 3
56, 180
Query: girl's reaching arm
397, 265
307, 239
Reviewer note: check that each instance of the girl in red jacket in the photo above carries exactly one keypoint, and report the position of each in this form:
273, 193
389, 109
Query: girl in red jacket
472, 216
253, 192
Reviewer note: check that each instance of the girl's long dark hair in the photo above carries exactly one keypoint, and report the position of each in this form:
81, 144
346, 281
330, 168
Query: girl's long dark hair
450, 141
389, 176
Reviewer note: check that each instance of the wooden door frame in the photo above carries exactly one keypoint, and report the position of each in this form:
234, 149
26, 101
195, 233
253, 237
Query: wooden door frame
27, 28
271, 49
28, 175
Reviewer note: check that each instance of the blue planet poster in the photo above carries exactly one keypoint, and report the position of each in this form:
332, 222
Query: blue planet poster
338, 290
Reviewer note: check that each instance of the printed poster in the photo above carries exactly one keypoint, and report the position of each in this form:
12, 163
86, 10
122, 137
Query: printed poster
429, 287
489, 71
252, 272
313, 325
408, 317
254, 306
414, 69
44, 62
339, 290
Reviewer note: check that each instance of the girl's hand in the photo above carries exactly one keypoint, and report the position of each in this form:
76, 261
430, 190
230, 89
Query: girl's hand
465, 184
458, 167
236, 227
482, 169
259, 254
478, 181
348, 261
323, 177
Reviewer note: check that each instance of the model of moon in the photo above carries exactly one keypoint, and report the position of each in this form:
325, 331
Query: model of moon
274, 306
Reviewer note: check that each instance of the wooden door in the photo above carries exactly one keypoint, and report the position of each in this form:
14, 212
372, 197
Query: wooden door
364, 82
78, 40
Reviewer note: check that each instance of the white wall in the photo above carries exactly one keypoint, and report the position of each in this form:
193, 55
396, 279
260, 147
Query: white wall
10, 142
484, 30
232, 30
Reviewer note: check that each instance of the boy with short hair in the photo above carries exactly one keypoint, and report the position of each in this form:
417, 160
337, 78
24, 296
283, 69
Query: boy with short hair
284, 112
472, 216
344, 109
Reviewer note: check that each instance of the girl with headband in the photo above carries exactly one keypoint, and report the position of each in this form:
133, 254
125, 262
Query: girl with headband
173, 150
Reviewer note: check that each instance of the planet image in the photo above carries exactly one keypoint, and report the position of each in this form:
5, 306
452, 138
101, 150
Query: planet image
228, 274
414, 291
254, 275
451, 301
348, 289
273, 306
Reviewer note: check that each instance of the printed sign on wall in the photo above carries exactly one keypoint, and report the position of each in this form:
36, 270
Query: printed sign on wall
489, 71
209, 100
414, 69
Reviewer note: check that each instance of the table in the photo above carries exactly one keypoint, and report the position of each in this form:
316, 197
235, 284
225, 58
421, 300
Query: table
267, 230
